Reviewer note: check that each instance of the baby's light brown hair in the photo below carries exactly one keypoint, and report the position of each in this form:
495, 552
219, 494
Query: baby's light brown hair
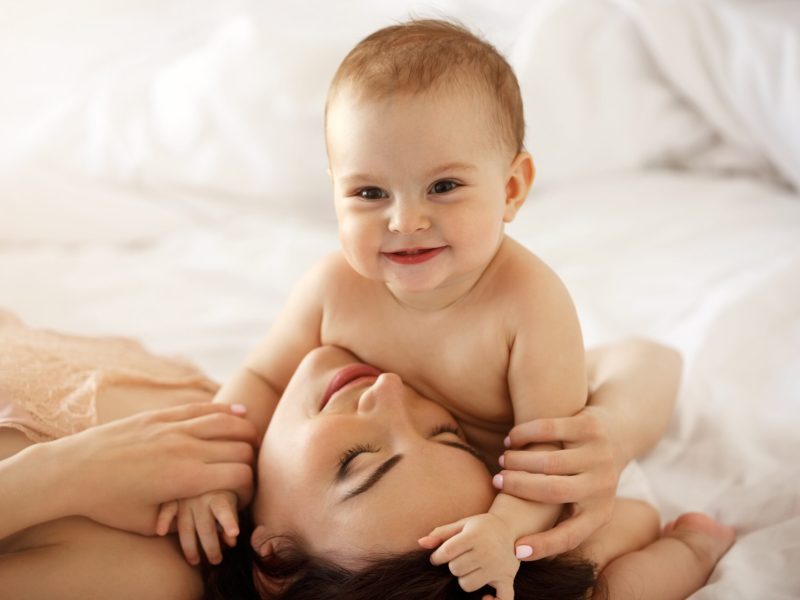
428, 54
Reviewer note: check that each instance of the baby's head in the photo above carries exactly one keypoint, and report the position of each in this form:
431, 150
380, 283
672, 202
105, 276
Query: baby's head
424, 129
433, 56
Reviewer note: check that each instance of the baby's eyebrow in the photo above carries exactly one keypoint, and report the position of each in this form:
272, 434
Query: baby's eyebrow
452, 166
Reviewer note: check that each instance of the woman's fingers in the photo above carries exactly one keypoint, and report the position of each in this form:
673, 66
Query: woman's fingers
223, 451
193, 410
550, 489
563, 429
237, 477
565, 536
224, 426
548, 462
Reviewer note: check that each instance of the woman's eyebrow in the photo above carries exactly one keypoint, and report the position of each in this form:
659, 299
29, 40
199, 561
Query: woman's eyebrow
376, 476
387, 466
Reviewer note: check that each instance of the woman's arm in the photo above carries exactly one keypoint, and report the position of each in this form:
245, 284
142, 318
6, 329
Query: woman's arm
634, 384
118, 474
75, 559
633, 389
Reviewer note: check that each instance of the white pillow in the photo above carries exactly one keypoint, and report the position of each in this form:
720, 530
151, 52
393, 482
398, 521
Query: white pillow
738, 63
594, 100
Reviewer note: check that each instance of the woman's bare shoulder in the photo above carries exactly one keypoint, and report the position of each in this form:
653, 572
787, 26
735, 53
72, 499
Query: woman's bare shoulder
77, 558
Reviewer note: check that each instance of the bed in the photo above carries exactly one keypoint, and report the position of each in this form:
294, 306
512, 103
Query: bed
162, 176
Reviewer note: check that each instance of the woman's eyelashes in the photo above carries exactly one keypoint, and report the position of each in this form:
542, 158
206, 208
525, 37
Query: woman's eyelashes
350, 454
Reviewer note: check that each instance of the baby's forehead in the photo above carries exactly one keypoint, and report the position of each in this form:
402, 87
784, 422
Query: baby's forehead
473, 103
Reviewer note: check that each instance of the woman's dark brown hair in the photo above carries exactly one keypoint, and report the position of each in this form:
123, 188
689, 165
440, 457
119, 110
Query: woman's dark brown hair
298, 575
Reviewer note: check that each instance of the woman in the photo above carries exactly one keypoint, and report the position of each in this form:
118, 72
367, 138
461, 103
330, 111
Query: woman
69, 505
356, 467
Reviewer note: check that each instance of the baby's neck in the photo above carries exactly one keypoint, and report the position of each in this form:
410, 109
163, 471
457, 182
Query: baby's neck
435, 300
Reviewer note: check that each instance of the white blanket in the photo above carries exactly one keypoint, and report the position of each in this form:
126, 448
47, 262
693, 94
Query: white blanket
175, 189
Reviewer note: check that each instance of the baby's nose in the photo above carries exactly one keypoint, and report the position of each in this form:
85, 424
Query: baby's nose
407, 217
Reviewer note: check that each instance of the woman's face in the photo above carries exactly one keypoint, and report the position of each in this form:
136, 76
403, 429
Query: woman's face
372, 469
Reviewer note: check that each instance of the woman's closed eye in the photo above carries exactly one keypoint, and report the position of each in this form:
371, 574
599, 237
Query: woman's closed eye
350, 454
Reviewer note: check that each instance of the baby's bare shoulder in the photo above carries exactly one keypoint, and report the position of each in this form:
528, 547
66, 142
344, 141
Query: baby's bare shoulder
521, 275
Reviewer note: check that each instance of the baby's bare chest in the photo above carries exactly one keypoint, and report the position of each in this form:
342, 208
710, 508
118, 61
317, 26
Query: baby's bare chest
459, 360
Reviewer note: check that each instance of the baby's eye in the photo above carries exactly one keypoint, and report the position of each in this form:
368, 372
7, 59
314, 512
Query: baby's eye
444, 186
371, 193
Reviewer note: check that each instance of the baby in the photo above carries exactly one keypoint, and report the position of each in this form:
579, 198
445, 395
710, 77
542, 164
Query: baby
424, 130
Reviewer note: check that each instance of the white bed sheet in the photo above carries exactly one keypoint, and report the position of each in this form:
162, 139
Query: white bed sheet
185, 225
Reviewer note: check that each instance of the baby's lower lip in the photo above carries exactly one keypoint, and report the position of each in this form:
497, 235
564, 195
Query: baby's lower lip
415, 257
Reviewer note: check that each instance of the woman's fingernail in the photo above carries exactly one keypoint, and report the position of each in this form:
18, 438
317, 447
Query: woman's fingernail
502, 460
239, 409
507, 441
523, 551
497, 481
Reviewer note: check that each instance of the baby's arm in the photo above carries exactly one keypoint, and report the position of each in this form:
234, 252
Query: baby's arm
258, 385
547, 378
260, 381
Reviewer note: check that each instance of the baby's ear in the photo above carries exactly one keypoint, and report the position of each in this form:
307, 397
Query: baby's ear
520, 179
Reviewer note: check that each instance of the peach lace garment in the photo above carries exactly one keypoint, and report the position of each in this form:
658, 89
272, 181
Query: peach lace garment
53, 384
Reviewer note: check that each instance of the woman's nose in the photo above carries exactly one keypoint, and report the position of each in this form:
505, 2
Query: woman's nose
408, 216
385, 395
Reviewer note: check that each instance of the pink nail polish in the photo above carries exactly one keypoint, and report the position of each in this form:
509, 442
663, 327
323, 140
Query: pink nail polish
523, 551
497, 481
507, 442
238, 409
502, 460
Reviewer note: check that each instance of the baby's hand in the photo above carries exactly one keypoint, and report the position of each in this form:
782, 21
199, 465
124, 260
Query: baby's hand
198, 518
479, 550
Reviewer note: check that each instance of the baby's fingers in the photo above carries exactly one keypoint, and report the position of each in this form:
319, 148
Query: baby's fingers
166, 513
187, 536
209, 538
440, 534
451, 549
227, 519
504, 590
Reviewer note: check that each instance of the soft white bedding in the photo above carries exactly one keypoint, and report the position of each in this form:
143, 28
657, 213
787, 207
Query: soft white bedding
173, 190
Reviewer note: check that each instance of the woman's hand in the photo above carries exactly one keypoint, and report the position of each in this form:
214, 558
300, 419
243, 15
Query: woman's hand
584, 473
119, 473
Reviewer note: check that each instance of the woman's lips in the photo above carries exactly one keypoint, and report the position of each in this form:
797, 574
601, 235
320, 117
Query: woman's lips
347, 375
413, 256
